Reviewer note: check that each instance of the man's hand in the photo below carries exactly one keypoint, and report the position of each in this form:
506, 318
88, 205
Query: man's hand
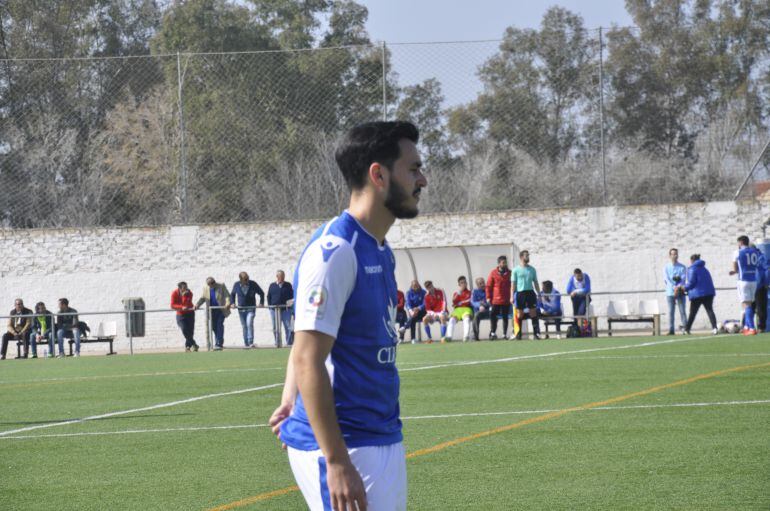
346, 489
574, 293
733, 272
482, 308
279, 415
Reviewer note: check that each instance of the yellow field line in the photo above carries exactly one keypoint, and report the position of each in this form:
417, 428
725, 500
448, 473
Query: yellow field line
509, 427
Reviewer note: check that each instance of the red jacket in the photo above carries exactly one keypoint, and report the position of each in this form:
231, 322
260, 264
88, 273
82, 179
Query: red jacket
182, 304
461, 299
400, 304
437, 302
499, 287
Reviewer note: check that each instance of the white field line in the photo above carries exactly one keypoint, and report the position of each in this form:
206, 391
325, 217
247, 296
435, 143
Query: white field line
273, 385
558, 353
139, 375
135, 410
421, 417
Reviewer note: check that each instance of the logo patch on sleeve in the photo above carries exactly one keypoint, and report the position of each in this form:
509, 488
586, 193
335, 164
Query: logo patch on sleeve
316, 302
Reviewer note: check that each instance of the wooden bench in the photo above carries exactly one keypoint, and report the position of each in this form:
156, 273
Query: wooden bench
106, 331
648, 312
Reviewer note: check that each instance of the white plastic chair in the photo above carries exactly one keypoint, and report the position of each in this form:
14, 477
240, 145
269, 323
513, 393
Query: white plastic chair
617, 308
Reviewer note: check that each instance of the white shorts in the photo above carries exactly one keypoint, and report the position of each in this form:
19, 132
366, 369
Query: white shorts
382, 469
747, 291
432, 315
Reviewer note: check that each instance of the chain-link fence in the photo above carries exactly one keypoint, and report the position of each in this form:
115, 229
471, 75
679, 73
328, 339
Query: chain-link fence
536, 120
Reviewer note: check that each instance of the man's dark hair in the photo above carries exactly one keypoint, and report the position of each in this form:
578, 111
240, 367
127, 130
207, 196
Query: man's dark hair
428, 283
182, 283
577, 271
64, 301
547, 283
673, 250
743, 240
695, 257
502, 258
372, 142
462, 277
521, 254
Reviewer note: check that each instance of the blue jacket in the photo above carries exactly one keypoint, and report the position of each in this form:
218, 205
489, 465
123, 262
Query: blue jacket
279, 295
550, 304
586, 285
699, 283
670, 273
479, 298
415, 299
247, 296
762, 272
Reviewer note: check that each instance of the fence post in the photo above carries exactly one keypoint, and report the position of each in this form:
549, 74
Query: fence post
182, 148
208, 327
278, 324
130, 333
384, 83
601, 116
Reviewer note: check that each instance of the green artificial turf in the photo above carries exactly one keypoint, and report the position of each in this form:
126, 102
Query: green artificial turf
641, 453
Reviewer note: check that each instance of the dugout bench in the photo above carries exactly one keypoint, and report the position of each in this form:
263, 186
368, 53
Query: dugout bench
647, 312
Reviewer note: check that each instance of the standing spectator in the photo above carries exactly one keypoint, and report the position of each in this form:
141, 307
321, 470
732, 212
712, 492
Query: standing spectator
415, 308
745, 265
244, 296
480, 306
674, 275
499, 295
280, 296
700, 288
462, 310
579, 290
435, 310
550, 305
760, 298
42, 328
524, 284
182, 303
400, 314
18, 328
218, 299
67, 325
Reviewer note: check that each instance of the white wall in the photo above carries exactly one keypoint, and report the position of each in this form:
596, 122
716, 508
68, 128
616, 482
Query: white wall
622, 248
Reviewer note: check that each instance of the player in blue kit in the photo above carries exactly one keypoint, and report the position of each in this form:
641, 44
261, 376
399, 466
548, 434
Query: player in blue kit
746, 266
339, 413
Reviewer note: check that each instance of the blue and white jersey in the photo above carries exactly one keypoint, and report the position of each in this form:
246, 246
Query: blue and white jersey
748, 259
346, 288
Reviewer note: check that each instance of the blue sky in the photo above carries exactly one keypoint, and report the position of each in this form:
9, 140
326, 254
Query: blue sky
455, 65
461, 20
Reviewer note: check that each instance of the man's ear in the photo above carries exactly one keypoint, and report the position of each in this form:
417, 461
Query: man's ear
377, 175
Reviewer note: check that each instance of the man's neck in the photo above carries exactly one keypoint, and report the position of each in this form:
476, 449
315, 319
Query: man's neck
373, 217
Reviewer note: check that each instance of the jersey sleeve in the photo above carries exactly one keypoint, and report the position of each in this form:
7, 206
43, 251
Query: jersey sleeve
326, 277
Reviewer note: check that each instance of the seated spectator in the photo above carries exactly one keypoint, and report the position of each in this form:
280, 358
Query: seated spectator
435, 310
480, 306
42, 329
18, 328
400, 314
218, 299
244, 297
550, 305
67, 326
461, 302
182, 303
579, 290
415, 309
280, 296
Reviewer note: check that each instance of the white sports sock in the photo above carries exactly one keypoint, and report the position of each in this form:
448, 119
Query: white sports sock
450, 329
466, 327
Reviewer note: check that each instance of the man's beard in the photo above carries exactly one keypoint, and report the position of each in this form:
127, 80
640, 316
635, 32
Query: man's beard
396, 202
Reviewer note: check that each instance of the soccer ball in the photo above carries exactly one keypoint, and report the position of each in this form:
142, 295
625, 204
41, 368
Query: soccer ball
731, 326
